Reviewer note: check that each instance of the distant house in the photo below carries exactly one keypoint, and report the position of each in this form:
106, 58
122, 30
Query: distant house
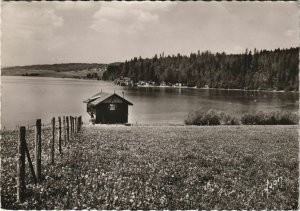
108, 108
124, 82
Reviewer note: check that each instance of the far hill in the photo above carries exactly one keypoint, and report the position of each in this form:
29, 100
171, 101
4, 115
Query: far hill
66, 70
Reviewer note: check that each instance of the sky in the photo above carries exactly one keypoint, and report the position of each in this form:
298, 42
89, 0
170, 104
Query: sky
105, 32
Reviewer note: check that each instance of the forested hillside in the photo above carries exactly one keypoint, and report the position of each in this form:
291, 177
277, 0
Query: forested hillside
271, 70
60, 67
66, 70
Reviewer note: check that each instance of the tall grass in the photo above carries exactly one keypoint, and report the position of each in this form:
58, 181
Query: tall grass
212, 117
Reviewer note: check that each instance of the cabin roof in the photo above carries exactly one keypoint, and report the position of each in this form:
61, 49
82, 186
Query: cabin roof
102, 97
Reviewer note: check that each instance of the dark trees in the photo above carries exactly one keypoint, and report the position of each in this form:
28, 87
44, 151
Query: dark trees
276, 69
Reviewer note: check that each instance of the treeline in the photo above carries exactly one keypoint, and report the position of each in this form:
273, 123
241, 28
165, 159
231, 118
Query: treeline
93, 76
66, 67
266, 70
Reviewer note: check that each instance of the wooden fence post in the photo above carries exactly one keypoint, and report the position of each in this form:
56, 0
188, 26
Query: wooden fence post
79, 123
64, 129
75, 124
59, 135
71, 129
30, 163
68, 133
38, 150
21, 186
52, 142
73, 121
70, 119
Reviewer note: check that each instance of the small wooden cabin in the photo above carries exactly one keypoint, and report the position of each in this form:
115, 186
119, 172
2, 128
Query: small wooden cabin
108, 108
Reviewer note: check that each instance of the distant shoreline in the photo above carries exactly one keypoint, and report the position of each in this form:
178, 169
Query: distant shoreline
185, 87
151, 86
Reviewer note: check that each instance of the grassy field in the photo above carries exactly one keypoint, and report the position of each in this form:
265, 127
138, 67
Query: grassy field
184, 167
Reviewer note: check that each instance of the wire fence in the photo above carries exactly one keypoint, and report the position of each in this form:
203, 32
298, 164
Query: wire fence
51, 136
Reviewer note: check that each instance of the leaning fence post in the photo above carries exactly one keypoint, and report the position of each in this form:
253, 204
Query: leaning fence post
64, 129
38, 149
59, 134
68, 131
21, 186
30, 163
52, 142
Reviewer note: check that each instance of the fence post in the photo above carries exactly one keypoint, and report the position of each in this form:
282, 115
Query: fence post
68, 133
71, 126
52, 142
30, 163
64, 129
38, 149
75, 124
21, 186
59, 135
73, 118
79, 123
70, 118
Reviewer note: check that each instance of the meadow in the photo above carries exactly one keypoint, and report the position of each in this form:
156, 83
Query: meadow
171, 167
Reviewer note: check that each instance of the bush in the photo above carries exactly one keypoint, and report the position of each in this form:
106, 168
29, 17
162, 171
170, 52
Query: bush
212, 117
248, 119
202, 117
194, 118
227, 119
270, 118
264, 118
288, 118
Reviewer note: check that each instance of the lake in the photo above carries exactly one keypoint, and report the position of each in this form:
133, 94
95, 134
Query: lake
25, 99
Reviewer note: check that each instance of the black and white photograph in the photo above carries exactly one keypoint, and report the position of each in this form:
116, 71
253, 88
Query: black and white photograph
149, 105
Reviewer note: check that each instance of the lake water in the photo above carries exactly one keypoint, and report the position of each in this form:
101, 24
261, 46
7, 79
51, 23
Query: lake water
25, 99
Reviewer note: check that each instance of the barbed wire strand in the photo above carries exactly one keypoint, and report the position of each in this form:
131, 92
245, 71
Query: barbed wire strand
17, 127
30, 127
47, 124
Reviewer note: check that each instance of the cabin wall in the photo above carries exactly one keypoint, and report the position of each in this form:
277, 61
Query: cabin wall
106, 116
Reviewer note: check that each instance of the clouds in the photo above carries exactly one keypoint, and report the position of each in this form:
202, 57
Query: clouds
25, 22
127, 17
291, 33
28, 31
26, 18
51, 32
75, 6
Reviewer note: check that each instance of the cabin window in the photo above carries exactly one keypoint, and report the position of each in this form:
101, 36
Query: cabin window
112, 107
